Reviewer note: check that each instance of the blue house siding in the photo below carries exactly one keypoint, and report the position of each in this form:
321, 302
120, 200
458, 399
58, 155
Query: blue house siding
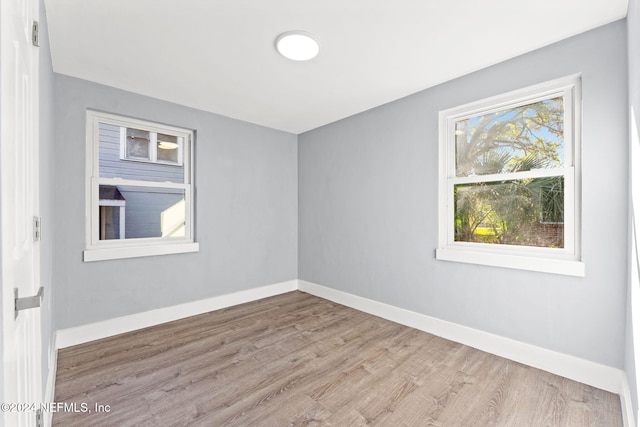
112, 166
143, 209
144, 205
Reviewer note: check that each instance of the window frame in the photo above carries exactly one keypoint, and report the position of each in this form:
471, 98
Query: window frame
98, 250
565, 260
153, 150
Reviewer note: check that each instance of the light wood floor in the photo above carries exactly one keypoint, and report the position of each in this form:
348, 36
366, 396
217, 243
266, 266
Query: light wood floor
296, 359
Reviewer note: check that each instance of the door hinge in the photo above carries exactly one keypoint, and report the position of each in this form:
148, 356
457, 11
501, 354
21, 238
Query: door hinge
39, 418
35, 33
25, 303
36, 228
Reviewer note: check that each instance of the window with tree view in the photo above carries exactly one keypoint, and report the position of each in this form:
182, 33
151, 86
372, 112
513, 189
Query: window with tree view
509, 175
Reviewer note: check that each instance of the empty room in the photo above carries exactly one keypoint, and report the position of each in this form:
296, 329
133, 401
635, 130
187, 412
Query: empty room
259, 213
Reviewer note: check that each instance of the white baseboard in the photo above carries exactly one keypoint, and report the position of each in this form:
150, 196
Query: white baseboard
626, 403
98, 330
575, 368
584, 371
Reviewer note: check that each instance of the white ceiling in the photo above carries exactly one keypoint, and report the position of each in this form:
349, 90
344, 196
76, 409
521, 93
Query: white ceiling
219, 56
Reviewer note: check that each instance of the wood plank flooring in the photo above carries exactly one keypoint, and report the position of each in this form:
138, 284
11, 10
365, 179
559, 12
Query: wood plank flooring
294, 360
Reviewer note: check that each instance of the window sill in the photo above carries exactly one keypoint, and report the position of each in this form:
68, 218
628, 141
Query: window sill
103, 254
519, 262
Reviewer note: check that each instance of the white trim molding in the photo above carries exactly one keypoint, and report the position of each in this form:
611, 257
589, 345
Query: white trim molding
519, 262
119, 325
626, 403
574, 368
102, 254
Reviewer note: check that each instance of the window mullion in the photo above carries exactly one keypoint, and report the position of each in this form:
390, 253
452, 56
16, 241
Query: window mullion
512, 176
153, 146
139, 183
123, 144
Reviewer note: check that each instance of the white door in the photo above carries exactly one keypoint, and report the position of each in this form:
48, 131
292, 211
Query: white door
19, 252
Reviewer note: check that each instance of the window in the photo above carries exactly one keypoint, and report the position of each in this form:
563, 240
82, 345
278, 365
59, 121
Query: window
139, 188
151, 147
509, 180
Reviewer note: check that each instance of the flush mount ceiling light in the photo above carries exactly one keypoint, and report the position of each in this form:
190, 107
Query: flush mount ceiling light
297, 45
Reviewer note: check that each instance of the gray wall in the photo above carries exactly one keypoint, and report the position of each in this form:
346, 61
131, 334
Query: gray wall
47, 193
633, 25
246, 211
368, 208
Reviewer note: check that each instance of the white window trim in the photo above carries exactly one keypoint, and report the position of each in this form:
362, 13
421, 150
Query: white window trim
565, 260
98, 250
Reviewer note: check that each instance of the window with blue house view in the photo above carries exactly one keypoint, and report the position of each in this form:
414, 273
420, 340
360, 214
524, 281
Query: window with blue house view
140, 187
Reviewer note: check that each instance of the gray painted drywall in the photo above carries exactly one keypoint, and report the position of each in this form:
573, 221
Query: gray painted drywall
47, 193
246, 211
368, 208
633, 28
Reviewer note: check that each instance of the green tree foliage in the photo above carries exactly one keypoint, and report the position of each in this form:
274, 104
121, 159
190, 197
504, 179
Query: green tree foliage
510, 141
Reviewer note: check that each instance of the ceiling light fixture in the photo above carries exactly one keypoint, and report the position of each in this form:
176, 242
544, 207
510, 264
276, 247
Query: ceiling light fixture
297, 45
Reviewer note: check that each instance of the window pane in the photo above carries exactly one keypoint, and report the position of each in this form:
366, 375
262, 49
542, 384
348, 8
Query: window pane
148, 212
137, 146
110, 223
511, 140
112, 166
528, 212
168, 146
